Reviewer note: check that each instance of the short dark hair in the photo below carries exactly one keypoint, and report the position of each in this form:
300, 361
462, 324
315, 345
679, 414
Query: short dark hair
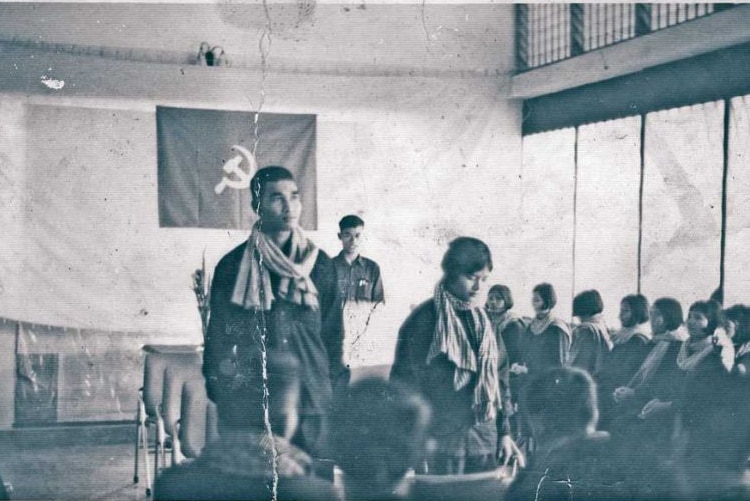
504, 292
638, 307
269, 174
563, 398
547, 293
466, 255
350, 221
671, 311
740, 315
587, 303
710, 309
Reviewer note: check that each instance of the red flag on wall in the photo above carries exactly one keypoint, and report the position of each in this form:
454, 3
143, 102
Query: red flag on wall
206, 162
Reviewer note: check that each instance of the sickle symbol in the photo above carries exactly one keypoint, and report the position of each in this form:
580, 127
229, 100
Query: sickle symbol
232, 166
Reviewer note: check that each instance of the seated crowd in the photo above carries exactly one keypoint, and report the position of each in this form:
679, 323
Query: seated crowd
502, 406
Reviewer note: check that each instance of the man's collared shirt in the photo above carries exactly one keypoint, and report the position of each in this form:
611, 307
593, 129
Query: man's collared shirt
360, 280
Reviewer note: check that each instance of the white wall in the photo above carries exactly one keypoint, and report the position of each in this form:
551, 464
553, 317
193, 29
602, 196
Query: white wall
423, 159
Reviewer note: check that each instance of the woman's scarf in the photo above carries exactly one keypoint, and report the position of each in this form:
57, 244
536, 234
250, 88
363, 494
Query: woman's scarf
262, 256
503, 320
692, 353
626, 333
252, 454
450, 338
655, 356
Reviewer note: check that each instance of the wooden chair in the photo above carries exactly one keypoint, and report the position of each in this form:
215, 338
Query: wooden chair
175, 377
470, 487
149, 408
198, 420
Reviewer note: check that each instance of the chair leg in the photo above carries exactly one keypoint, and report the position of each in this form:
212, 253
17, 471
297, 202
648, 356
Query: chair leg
144, 439
137, 445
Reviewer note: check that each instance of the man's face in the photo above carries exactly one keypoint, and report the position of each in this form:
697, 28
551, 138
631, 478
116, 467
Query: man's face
280, 206
351, 239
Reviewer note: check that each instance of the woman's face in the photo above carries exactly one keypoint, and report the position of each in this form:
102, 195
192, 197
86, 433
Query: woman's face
696, 324
626, 315
467, 287
657, 321
537, 302
495, 302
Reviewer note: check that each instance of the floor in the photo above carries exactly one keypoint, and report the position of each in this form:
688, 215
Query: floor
80, 472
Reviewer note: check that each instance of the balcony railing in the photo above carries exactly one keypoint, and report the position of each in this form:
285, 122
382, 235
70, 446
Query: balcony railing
547, 33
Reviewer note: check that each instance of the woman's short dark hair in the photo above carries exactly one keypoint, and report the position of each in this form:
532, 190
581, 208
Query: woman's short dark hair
466, 255
712, 311
638, 307
671, 312
588, 303
563, 398
547, 293
740, 315
269, 174
504, 292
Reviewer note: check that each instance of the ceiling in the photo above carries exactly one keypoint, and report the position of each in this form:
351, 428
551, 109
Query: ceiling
327, 37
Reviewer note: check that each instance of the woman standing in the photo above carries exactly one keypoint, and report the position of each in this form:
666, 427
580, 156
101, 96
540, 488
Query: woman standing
548, 337
591, 343
448, 352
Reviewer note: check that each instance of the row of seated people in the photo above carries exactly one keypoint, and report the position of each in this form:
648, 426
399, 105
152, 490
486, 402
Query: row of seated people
379, 435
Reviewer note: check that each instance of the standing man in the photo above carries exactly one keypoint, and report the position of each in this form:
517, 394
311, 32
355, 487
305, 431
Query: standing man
359, 277
360, 285
277, 291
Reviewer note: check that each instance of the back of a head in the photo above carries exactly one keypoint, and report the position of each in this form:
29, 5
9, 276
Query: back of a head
547, 293
671, 311
560, 402
242, 393
466, 255
265, 175
587, 303
378, 431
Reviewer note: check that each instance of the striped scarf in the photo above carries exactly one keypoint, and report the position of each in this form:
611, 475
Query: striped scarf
653, 360
262, 256
451, 339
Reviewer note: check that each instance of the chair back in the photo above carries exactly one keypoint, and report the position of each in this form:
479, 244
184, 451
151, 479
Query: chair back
193, 413
471, 487
153, 377
175, 376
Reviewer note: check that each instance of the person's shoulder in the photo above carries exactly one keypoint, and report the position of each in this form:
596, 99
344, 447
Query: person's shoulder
307, 488
424, 310
370, 263
231, 258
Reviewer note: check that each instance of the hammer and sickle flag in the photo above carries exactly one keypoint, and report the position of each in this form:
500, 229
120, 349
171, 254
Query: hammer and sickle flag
205, 162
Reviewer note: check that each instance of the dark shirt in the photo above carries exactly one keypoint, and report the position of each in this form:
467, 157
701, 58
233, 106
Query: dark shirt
453, 414
584, 469
196, 482
315, 337
360, 280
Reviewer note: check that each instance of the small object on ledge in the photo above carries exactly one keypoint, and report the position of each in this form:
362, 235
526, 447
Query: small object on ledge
202, 52
220, 58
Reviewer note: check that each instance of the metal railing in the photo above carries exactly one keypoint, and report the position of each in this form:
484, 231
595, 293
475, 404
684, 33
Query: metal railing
547, 33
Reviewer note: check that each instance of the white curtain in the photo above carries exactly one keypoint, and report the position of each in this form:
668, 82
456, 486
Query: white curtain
609, 173
682, 203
